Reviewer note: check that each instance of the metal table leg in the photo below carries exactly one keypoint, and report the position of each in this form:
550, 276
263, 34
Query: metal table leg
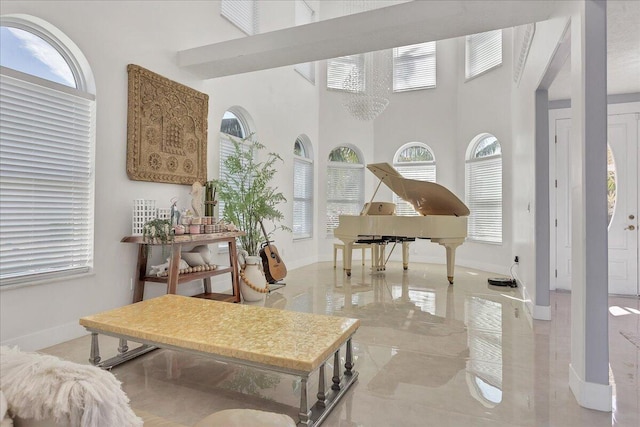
305, 413
321, 396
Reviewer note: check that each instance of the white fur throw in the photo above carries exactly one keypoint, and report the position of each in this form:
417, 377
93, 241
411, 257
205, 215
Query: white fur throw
40, 386
5, 421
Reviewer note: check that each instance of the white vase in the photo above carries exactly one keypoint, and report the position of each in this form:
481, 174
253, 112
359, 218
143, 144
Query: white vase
253, 274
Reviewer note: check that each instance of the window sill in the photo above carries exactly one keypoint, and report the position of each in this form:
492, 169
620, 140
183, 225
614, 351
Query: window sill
48, 281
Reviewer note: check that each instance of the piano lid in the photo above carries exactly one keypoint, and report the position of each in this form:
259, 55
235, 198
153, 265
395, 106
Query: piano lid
428, 198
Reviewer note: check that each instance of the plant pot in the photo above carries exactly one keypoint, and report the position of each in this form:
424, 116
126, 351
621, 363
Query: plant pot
253, 285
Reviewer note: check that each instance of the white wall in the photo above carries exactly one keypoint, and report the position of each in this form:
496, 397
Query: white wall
112, 35
547, 36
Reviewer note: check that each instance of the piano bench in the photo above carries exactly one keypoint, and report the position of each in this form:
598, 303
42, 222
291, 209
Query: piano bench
362, 246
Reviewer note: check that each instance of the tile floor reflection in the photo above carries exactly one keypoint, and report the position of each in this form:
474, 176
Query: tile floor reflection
428, 354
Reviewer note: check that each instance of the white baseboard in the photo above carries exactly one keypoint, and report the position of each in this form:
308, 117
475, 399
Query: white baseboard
490, 268
542, 312
46, 338
590, 395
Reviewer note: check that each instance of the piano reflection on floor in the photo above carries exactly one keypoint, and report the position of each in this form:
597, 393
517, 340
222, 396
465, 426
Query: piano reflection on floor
442, 219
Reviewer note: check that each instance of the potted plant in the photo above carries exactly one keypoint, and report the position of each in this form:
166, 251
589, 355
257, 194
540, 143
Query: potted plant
157, 231
247, 193
248, 198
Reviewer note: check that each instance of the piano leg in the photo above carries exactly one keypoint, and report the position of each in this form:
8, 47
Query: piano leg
405, 255
379, 256
450, 245
346, 256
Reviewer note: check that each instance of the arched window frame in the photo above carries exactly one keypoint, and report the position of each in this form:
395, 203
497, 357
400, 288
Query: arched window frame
64, 189
349, 198
483, 192
303, 189
415, 169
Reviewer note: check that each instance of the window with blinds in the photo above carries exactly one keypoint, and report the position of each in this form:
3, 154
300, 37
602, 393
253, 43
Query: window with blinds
338, 69
302, 191
414, 67
483, 52
345, 186
242, 13
46, 178
305, 15
414, 161
226, 149
483, 190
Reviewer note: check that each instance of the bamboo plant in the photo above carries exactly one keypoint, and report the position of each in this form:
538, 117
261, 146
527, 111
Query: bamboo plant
247, 193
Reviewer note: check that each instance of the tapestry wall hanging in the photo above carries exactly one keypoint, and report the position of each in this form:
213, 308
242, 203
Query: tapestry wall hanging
166, 130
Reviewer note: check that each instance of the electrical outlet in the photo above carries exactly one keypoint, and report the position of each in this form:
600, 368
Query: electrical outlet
131, 284
516, 259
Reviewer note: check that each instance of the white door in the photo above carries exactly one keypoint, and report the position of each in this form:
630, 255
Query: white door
563, 204
623, 225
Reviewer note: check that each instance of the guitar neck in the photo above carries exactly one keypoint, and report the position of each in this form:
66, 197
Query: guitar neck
266, 237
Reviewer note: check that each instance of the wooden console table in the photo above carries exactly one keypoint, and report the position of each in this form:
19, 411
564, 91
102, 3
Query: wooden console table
174, 278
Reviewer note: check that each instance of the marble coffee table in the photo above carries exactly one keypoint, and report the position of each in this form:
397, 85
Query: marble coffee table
278, 340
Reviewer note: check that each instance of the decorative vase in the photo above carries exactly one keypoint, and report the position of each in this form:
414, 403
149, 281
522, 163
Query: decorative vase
253, 285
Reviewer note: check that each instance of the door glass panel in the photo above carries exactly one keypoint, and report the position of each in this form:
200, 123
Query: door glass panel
611, 184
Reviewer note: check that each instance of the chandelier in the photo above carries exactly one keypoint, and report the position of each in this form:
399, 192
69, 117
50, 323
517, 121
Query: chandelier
366, 87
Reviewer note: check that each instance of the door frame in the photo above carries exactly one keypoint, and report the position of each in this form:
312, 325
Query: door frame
565, 113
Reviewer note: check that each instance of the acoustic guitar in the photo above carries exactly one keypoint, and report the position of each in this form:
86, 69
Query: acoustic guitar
272, 264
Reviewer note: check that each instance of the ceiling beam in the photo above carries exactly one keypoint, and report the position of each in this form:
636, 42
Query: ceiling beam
383, 28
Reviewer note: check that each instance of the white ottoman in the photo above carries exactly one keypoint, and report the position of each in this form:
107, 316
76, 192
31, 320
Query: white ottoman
246, 417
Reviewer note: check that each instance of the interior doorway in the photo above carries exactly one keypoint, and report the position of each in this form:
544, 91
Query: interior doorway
623, 185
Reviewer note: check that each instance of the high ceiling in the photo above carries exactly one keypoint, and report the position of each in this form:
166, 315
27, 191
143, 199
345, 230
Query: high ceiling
623, 53
399, 23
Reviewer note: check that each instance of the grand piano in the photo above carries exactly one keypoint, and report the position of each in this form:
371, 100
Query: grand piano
443, 220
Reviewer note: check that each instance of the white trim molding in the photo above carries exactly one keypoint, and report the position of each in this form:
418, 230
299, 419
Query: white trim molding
541, 312
590, 395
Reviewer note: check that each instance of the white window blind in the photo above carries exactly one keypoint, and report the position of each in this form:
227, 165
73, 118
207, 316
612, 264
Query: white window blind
302, 197
483, 189
46, 179
345, 192
338, 69
226, 149
414, 67
242, 13
305, 15
483, 52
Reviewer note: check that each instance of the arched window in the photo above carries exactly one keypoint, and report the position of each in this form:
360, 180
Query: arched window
302, 188
483, 189
414, 160
47, 104
236, 125
345, 185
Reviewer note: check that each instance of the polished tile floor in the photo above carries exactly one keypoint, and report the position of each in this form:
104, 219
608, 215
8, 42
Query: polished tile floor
428, 354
